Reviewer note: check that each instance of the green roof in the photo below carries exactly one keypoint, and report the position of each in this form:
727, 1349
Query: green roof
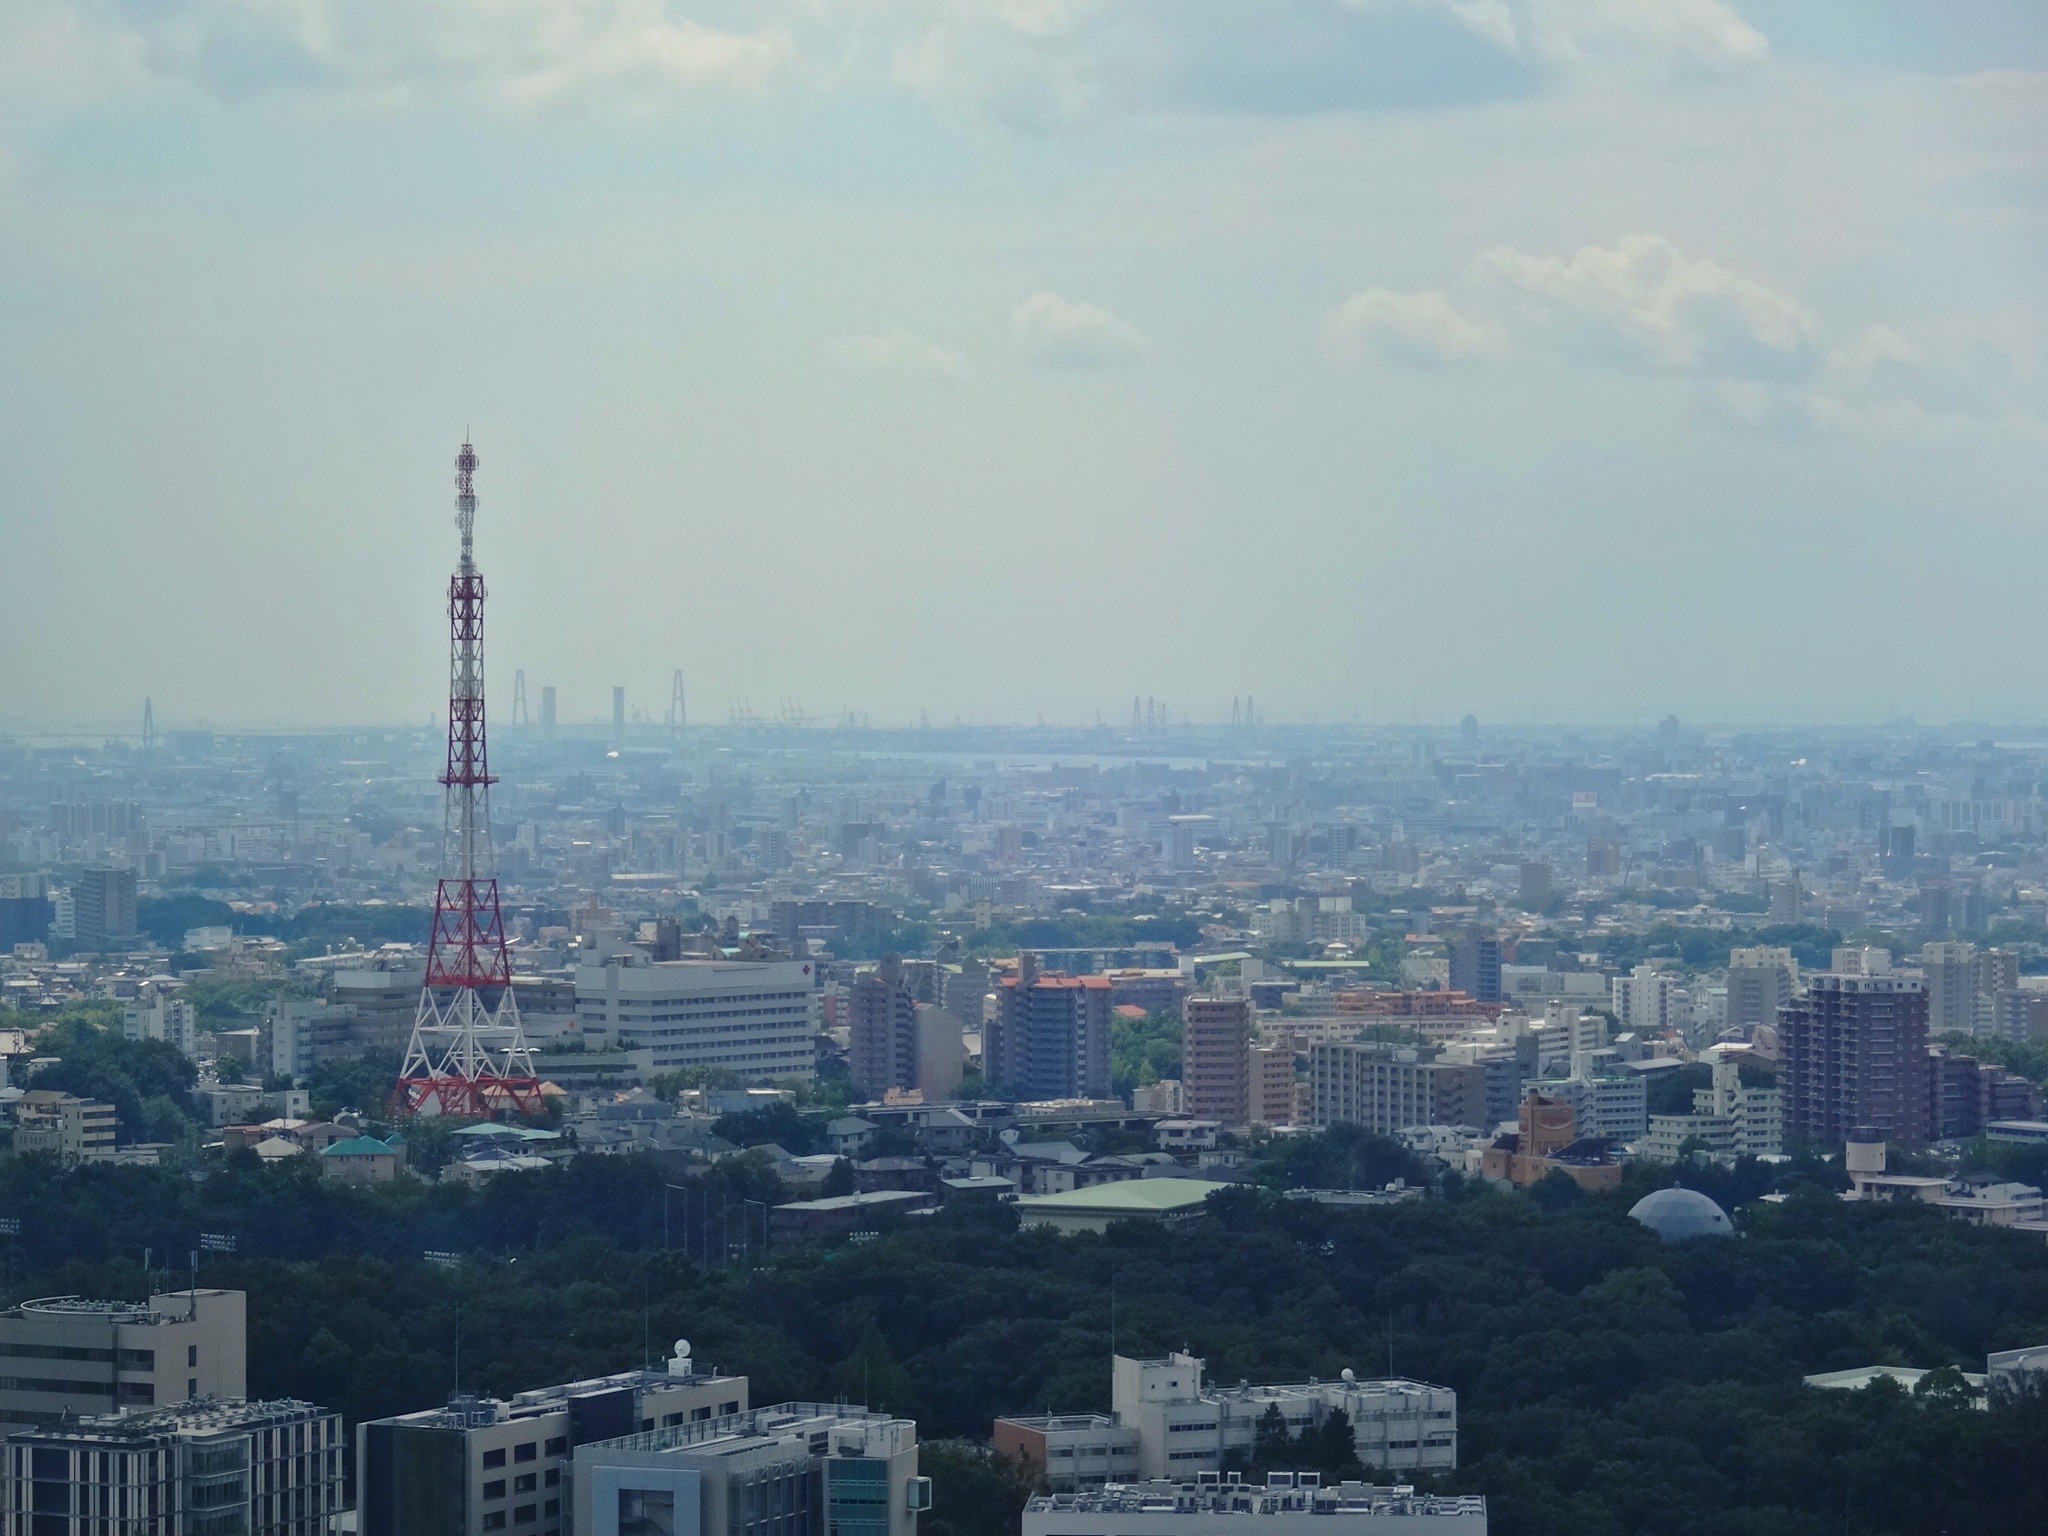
360, 1146
1137, 1196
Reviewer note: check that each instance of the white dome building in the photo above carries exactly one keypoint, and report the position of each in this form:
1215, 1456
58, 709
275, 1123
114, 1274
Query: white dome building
1677, 1214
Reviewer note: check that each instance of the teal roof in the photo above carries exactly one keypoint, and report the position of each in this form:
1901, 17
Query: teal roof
360, 1146
1136, 1197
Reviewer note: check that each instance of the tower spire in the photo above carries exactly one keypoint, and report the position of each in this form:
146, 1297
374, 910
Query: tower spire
468, 1054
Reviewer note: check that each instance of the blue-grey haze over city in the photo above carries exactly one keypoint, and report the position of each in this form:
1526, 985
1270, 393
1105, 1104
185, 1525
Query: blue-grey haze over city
1555, 359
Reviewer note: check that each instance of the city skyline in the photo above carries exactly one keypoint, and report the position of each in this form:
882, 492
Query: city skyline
1541, 359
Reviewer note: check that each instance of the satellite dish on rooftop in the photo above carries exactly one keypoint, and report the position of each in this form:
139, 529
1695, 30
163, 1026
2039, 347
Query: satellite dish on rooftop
1009, 1137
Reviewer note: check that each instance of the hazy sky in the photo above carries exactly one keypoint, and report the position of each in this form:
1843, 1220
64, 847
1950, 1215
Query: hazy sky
1544, 358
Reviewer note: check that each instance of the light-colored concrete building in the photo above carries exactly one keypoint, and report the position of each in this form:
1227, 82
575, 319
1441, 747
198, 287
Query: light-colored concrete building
1275, 1099
486, 1465
749, 1017
1727, 1120
797, 1469
1287, 1504
1167, 1422
68, 1356
159, 1013
64, 1126
1761, 980
251, 1469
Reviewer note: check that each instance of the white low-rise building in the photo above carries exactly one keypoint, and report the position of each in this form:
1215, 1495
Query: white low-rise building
749, 1017
1727, 1120
1288, 1502
1167, 1422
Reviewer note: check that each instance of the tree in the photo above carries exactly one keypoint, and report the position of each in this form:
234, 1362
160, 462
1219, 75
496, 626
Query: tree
974, 1491
1272, 1442
1332, 1447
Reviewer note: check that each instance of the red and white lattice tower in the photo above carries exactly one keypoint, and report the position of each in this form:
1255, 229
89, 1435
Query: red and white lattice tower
468, 1054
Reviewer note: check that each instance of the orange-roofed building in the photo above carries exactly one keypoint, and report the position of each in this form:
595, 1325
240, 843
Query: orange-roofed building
1050, 1036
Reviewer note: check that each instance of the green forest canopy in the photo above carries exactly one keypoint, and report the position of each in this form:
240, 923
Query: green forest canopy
1608, 1383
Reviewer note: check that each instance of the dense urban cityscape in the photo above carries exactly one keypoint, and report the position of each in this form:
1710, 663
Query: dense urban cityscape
1023, 768
828, 989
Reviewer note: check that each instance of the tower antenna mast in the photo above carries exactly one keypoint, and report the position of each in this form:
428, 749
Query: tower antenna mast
468, 1054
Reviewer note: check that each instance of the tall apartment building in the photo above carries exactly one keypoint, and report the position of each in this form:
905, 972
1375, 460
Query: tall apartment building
1950, 970
881, 1021
66, 1356
202, 1468
1998, 971
797, 1469
1475, 964
1367, 1084
485, 1465
2020, 1014
1761, 980
1215, 1058
160, 1014
26, 911
1854, 1055
1965, 1095
1165, 1421
750, 1017
1050, 1036
1273, 1086
103, 907
1648, 1000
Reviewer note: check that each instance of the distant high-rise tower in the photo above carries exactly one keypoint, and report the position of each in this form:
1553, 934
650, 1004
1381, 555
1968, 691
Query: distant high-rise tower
519, 715
1215, 1058
468, 1055
618, 716
103, 907
1050, 1036
1854, 1056
1475, 964
677, 716
881, 1051
148, 726
547, 711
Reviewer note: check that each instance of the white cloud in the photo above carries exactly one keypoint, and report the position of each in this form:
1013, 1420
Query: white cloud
1421, 330
1057, 333
898, 352
510, 52
1646, 301
1665, 34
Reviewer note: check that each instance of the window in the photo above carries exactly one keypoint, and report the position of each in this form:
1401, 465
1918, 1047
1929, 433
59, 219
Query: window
495, 1520
553, 1478
525, 1514
559, 1446
526, 1482
495, 1488
526, 1452
725, 1408
553, 1507
495, 1458
192, 1356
